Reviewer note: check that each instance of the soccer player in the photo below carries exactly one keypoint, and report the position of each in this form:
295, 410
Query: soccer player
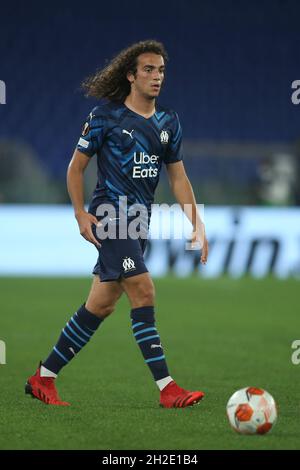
132, 136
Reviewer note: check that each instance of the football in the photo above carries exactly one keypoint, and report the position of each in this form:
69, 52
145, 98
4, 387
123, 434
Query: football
251, 411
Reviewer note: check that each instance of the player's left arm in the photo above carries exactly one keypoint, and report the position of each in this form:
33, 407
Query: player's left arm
184, 194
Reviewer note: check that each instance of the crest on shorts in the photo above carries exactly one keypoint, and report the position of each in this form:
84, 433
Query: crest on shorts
128, 264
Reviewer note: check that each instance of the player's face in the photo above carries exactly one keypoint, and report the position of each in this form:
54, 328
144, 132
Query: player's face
149, 75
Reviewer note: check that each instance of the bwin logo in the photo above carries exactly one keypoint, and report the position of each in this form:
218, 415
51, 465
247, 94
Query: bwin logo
164, 137
2, 352
128, 264
2, 92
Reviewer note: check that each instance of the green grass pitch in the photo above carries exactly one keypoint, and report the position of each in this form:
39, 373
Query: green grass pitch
218, 335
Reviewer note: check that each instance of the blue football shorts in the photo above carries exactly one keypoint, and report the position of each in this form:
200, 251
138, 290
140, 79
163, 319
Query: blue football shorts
119, 257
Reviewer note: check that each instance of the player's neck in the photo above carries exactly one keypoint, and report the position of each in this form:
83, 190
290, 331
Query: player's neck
140, 105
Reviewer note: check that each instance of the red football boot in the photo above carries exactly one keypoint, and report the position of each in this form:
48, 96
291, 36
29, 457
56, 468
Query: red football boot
173, 396
44, 389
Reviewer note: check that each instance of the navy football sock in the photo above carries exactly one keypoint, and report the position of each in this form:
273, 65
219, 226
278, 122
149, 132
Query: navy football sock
77, 332
147, 337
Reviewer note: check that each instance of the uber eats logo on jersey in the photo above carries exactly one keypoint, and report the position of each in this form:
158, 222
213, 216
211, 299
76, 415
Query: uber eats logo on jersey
141, 158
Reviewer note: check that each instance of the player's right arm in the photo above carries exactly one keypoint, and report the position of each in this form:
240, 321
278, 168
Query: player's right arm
75, 183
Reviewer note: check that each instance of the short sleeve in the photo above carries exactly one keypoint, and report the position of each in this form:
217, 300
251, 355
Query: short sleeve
92, 134
174, 151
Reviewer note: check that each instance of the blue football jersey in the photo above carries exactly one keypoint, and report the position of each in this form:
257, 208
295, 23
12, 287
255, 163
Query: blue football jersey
130, 151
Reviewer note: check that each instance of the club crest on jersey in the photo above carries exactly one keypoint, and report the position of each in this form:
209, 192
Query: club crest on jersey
128, 264
164, 137
85, 129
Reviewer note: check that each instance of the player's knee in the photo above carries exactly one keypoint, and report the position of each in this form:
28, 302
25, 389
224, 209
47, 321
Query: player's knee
103, 311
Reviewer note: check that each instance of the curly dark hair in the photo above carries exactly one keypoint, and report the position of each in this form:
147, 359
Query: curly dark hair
111, 82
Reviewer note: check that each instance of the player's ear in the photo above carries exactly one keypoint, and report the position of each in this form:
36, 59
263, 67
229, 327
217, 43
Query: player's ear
130, 77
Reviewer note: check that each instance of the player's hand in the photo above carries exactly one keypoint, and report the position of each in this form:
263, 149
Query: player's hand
85, 222
199, 240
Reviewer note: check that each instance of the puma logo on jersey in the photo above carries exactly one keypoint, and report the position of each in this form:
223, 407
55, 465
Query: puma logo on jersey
124, 131
156, 346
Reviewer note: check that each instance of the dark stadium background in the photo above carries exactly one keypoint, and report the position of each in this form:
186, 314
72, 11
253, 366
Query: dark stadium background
230, 75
